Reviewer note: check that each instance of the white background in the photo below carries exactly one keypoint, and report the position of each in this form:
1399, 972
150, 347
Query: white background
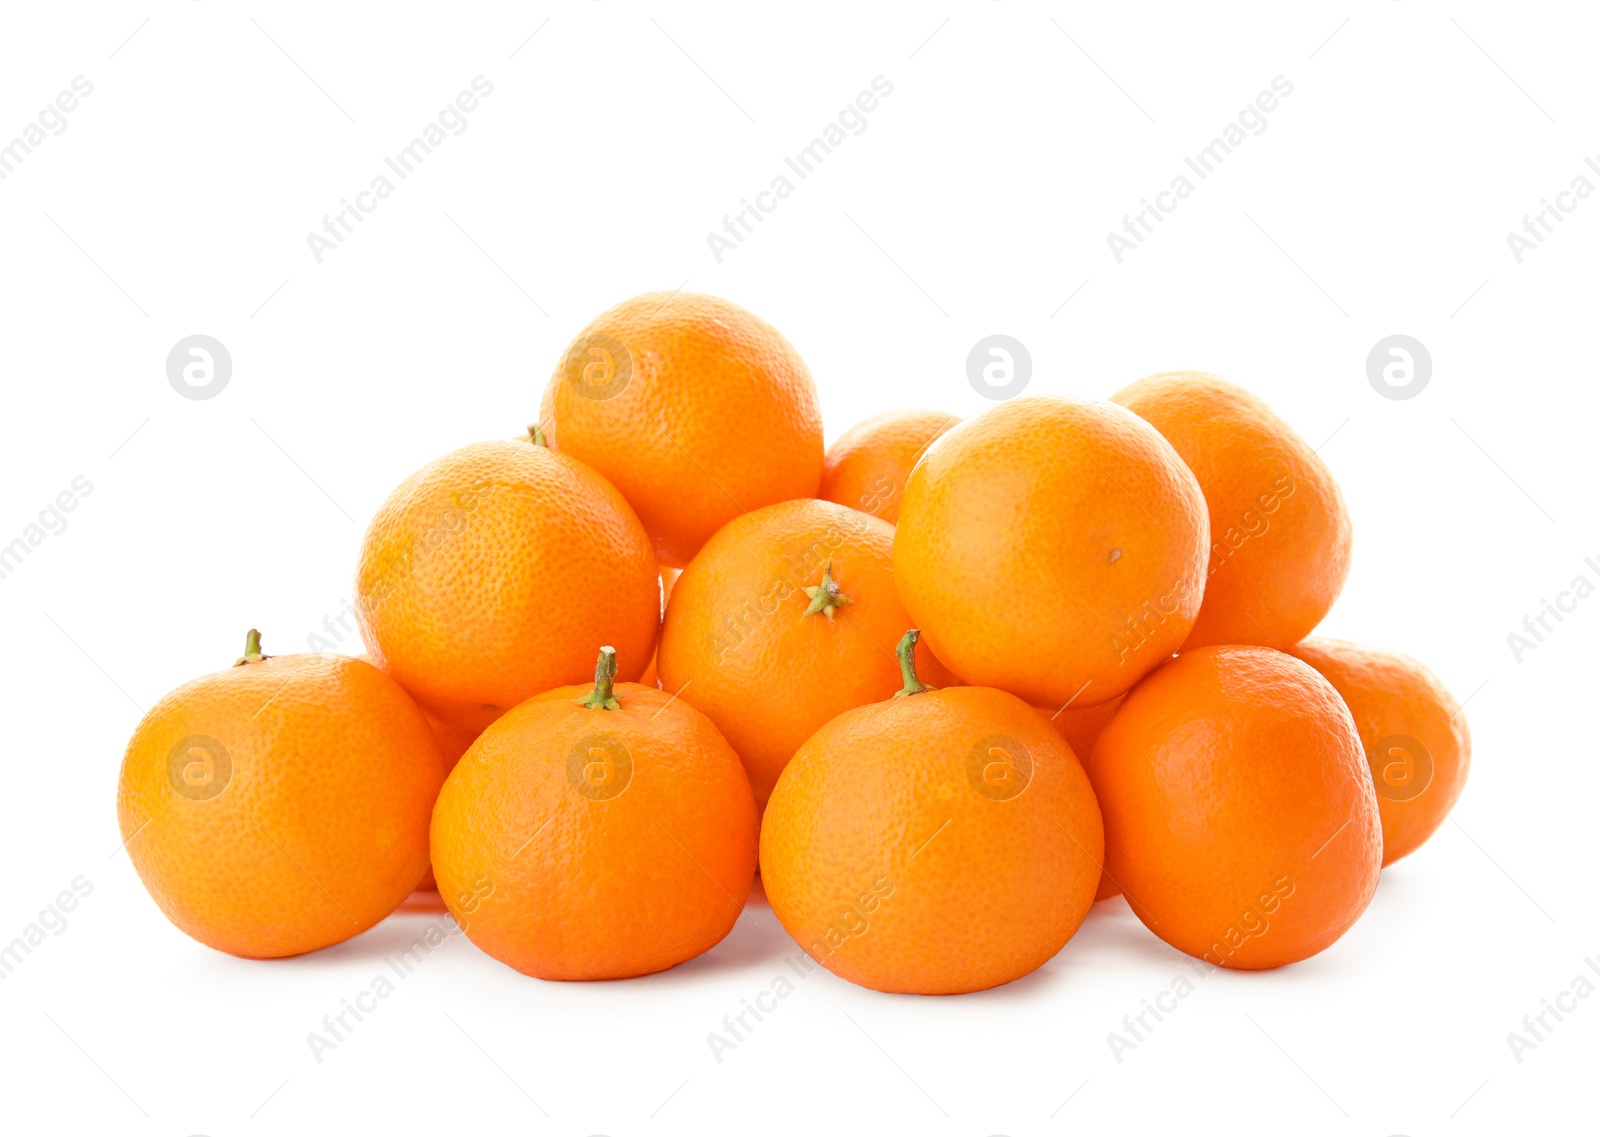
977, 201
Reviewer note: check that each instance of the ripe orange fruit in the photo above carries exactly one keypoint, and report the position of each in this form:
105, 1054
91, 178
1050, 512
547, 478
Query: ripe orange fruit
1052, 548
1280, 533
1415, 737
940, 842
695, 409
281, 805
786, 618
867, 467
596, 833
489, 575
1240, 818
1079, 727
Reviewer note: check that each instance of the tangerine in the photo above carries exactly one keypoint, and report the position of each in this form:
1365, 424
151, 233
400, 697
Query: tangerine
596, 833
489, 575
282, 805
786, 618
938, 842
1240, 818
867, 467
694, 408
1412, 730
1050, 529
1280, 533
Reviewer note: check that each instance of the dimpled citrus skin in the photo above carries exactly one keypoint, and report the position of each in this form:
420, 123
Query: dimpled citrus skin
1391, 694
719, 415
1240, 818
867, 467
563, 886
320, 829
1052, 548
1280, 533
891, 870
491, 574
738, 645
1079, 727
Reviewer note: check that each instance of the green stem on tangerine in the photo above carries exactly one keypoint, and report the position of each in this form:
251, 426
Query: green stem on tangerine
602, 697
906, 653
252, 649
826, 597
535, 435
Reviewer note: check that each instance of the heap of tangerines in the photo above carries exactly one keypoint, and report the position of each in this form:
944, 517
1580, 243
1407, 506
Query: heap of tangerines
949, 682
